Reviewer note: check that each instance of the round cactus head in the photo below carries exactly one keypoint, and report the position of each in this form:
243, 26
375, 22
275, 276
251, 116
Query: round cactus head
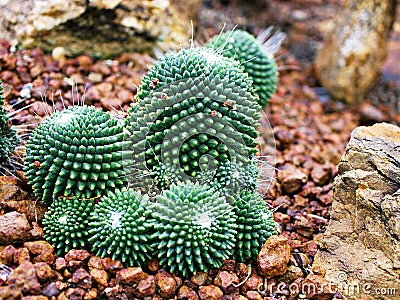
75, 152
257, 59
255, 225
8, 136
66, 224
194, 228
119, 227
195, 110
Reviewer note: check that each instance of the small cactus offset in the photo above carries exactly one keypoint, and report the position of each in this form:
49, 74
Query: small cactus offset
255, 225
76, 152
195, 110
119, 227
194, 228
8, 136
66, 224
260, 66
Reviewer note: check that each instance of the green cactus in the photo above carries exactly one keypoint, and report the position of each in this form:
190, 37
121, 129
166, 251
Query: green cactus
8, 136
76, 152
194, 228
66, 224
255, 225
119, 227
260, 66
195, 110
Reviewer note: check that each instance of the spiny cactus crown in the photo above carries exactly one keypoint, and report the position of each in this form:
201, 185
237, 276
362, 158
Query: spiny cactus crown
262, 68
255, 225
119, 227
194, 228
8, 135
75, 152
195, 110
66, 224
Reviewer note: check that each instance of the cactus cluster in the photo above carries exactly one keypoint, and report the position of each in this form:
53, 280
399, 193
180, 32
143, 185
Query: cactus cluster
76, 152
260, 66
177, 180
8, 136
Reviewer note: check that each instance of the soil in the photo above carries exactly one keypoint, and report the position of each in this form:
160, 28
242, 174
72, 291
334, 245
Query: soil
310, 131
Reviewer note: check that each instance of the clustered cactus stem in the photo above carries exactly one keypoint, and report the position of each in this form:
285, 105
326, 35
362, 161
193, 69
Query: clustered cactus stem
8, 135
178, 179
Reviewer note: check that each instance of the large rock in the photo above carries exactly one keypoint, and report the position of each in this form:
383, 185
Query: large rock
98, 27
361, 247
353, 54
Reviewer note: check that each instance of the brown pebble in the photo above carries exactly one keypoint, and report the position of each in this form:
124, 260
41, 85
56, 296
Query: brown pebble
95, 262
9, 293
91, 294
100, 277
43, 271
321, 174
34, 298
74, 293
226, 281
291, 178
7, 255
14, 227
252, 284
253, 295
274, 256
146, 287
166, 283
153, 265
82, 279
200, 278
61, 263
185, 293
21, 255
130, 276
210, 292
51, 290
79, 255
42, 250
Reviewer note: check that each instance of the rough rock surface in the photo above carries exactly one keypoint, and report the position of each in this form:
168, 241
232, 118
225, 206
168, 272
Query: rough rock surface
14, 227
353, 54
274, 256
97, 27
361, 245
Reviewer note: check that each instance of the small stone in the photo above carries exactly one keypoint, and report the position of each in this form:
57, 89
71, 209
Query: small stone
274, 256
253, 295
371, 114
210, 292
166, 283
321, 174
291, 274
252, 284
24, 278
58, 54
318, 288
43, 271
153, 265
7, 255
82, 279
43, 251
226, 281
146, 287
21, 255
95, 262
291, 179
14, 227
91, 294
51, 290
112, 265
242, 270
92, 94
130, 276
74, 265
185, 293
199, 278
61, 285
228, 265
34, 298
9, 293
74, 293
95, 77
79, 255
100, 277
61, 263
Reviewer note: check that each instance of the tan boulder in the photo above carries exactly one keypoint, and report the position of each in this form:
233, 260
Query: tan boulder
353, 53
98, 27
360, 249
